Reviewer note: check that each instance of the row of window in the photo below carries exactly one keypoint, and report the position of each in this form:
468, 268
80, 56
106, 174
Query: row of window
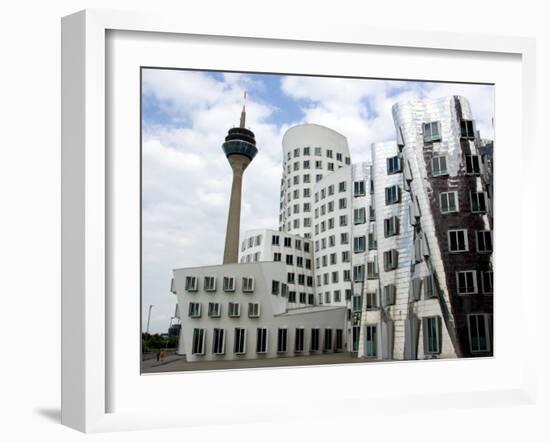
306, 164
298, 243
331, 241
306, 151
253, 241
306, 179
215, 310
210, 285
432, 130
332, 339
458, 241
467, 282
289, 260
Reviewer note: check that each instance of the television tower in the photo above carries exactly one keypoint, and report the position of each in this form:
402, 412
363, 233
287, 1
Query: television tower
240, 149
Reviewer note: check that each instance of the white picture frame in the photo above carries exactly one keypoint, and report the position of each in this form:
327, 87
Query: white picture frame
86, 201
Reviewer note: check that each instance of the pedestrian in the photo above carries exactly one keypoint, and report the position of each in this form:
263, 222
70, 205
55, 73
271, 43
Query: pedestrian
162, 354
158, 355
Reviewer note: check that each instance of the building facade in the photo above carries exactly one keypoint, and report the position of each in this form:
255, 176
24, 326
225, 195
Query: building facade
392, 257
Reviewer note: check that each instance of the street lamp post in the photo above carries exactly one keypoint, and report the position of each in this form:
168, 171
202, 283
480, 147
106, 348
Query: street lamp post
149, 318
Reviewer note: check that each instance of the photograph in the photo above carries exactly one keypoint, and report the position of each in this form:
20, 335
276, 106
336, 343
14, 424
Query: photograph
303, 220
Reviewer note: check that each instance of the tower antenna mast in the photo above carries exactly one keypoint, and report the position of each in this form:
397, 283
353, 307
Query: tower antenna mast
243, 112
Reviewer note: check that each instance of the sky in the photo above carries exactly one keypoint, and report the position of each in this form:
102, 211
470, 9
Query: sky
186, 179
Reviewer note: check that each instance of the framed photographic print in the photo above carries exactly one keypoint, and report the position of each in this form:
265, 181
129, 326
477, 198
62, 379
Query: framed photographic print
252, 215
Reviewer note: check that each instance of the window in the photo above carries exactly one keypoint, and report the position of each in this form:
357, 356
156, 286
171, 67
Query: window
330, 166
415, 288
284, 290
487, 282
199, 335
331, 206
327, 342
306, 179
228, 284
275, 287
393, 194
288, 242
234, 310
343, 220
299, 340
308, 263
477, 202
306, 150
318, 177
472, 164
359, 188
214, 309
429, 287
478, 329
467, 129
275, 240
289, 259
347, 276
391, 226
344, 238
191, 283
248, 284
276, 257
466, 282
314, 339
359, 273
439, 166
282, 335
239, 344
355, 334
372, 301
342, 203
371, 350
307, 193
306, 164
357, 303
337, 296
432, 131
253, 310
291, 296
296, 152
318, 164
291, 277
307, 207
348, 160
296, 166
359, 216
339, 339
372, 269
390, 260
345, 256
359, 244
484, 240
342, 186
393, 165
261, 340
218, 341
318, 151
448, 201
431, 333
389, 294
311, 299
209, 283
194, 310
372, 214
458, 240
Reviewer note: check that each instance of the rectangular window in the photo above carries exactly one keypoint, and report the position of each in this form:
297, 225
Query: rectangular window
209, 283
429, 287
239, 344
484, 240
318, 164
291, 277
432, 131
472, 164
342, 186
344, 238
234, 310
457, 240
357, 303
371, 341
359, 244
393, 194
372, 269
342, 203
248, 284
191, 283
355, 334
214, 310
261, 340
275, 240
359, 188
467, 129
218, 341
478, 329
389, 294
291, 296
466, 282
448, 202
276, 257
439, 166
253, 310
327, 342
289, 259
431, 334
393, 165
359, 273
390, 259
306, 164
339, 339
299, 340
343, 220
487, 282
372, 214
306, 150
359, 216
318, 151
391, 226
199, 335
306, 179
275, 287
477, 202
315, 339
228, 284
345, 256
282, 335
372, 301
194, 310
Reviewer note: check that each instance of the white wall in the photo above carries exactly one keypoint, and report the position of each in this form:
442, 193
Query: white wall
29, 225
